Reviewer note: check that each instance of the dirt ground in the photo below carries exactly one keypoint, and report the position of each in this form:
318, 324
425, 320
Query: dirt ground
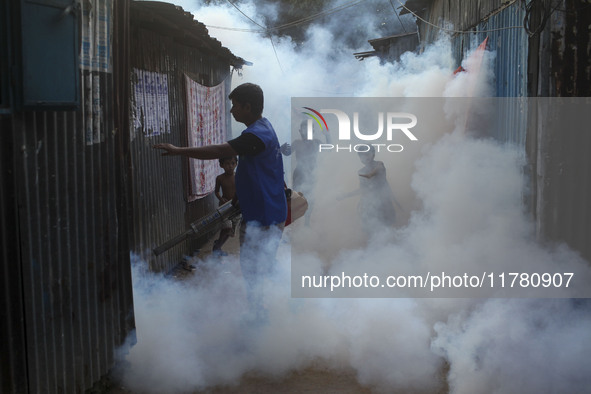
311, 380
307, 381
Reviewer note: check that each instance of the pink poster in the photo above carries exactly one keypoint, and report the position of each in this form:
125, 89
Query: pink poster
206, 122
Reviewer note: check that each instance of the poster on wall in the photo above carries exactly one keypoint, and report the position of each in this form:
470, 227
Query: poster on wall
96, 48
150, 107
206, 125
93, 109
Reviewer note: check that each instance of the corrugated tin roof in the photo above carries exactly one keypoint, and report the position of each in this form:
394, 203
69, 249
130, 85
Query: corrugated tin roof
376, 41
177, 23
384, 46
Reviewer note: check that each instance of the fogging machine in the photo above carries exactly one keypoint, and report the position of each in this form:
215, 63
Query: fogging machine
203, 225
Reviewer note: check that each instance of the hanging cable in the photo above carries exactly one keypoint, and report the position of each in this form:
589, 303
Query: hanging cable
247, 17
452, 30
530, 9
316, 16
398, 16
268, 31
289, 24
264, 29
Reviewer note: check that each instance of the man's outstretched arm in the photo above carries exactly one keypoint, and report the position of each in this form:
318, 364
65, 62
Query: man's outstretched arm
209, 152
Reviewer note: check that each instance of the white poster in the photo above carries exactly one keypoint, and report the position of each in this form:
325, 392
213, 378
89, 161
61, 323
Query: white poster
96, 48
93, 109
206, 109
150, 107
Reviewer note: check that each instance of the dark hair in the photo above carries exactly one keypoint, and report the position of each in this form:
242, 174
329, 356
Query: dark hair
249, 93
223, 159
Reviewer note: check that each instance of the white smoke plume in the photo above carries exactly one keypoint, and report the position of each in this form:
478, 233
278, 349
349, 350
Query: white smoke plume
462, 200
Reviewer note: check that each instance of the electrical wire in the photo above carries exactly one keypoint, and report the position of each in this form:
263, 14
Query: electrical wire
574, 11
289, 24
266, 30
456, 31
398, 16
247, 17
318, 15
339, 8
547, 12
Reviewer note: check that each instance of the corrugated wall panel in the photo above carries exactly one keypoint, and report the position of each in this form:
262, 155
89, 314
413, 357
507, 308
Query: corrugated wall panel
510, 46
13, 360
558, 150
456, 15
67, 255
74, 279
562, 171
160, 206
502, 24
554, 62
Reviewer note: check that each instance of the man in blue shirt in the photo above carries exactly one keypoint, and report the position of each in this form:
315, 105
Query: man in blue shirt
259, 184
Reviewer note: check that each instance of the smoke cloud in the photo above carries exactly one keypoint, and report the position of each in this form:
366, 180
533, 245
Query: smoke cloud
462, 208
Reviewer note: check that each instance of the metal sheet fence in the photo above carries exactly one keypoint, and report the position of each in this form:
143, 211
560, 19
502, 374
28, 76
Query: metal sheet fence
557, 146
552, 62
502, 24
73, 247
510, 48
67, 301
159, 185
13, 357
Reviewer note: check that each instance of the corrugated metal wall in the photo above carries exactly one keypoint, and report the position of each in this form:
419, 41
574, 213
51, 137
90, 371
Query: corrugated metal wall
558, 150
562, 171
502, 24
553, 62
510, 47
561, 53
67, 295
160, 207
453, 15
13, 356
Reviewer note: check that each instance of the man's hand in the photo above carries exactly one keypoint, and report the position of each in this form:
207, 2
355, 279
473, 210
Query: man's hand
235, 202
286, 149
169, 149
